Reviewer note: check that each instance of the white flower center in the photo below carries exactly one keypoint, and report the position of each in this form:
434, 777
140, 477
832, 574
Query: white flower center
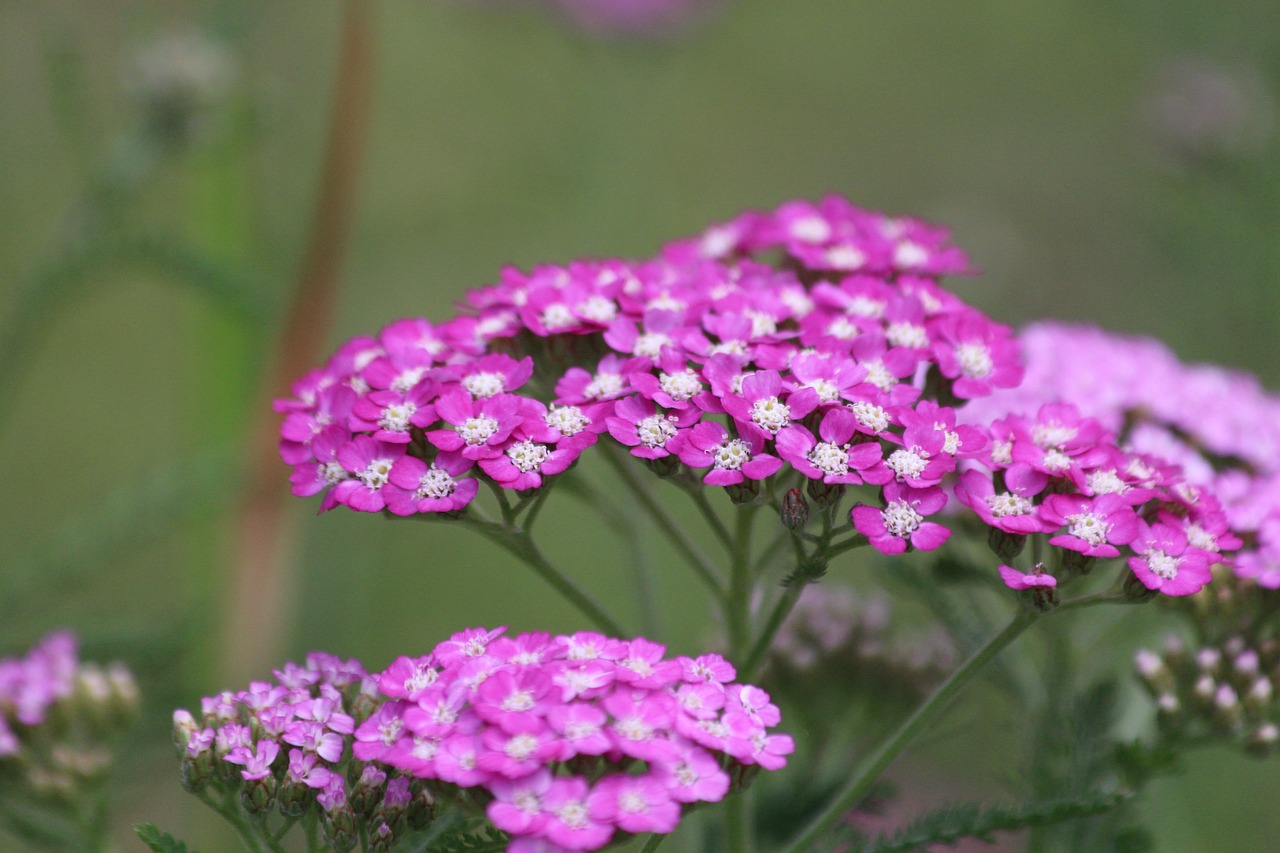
732, 455
842, 328
827, 392
1056, 460
633, 728
650, 344
1007, 503
907, 335
332, 472
871, 416
810, 229
951, 443
598, 309
425, 748
1002, 452
389, 732
484, 384
680, 386
1106, 483
527, 456
421, 679
1052, 434
573, 815
901, 519
844, 258
557, 316
1088, 526
376, 475
521, 747
568, 420
975, 360
518, 701
580, 730
527, 802
396, 418
908, 462
909, 255
655, 430
478, 430
633, 803
879, 375
1201, 538
1161, 564
436, 483
685, 775
603, 385
405, 381
830, 459
762, 324
770, 414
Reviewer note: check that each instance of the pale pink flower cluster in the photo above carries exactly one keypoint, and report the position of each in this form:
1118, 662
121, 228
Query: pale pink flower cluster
814, 338
1216, 430
31, 684
575, 737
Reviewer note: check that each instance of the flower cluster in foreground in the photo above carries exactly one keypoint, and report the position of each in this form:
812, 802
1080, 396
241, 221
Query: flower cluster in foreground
571, 739
575, 737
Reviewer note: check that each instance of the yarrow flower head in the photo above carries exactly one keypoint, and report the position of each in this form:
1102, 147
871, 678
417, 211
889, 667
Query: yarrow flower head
575, 737
59, 721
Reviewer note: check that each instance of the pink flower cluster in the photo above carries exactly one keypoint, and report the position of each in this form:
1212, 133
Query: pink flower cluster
296, 730
575, 737
1201, 441
30, 685
813, 338
1061, 474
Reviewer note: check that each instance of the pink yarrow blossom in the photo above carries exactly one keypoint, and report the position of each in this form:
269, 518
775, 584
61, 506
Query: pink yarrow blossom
1165, 562
435, 487
900, 524
732, 460
1094, 525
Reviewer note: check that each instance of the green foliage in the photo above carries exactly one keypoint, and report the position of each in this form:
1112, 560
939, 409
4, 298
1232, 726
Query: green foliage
955, 822
470, 836
159, 840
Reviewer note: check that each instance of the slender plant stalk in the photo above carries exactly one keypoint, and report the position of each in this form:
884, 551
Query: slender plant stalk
519, 543
862, 780
666, 522
739, 837
256, 619
654, 842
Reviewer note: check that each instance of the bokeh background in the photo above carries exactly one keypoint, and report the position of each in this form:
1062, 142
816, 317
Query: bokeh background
160, 169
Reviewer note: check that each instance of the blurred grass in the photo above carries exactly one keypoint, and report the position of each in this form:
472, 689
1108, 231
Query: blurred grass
499, 137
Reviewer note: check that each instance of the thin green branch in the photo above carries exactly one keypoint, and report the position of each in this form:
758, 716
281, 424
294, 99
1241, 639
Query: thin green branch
699, 498
654, 842
519, 543
666, 522
862, 780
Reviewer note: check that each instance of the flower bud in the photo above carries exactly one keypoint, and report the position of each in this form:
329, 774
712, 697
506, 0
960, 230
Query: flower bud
421, 810
1154, 673
258, 796
340, 828
1209, 660
1226, 708
184, 726
795, 510
1259, 695
1007, 546
1261, 742
825, 494
368, 791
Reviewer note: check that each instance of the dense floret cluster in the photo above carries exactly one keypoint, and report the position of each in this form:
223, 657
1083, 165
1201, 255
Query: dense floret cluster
568, 740
812, 343
1217, 429
577, 737
58, 719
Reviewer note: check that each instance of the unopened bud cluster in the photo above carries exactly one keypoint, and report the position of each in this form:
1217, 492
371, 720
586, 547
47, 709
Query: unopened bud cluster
836, 637
1226, 689
285, 746
58, 718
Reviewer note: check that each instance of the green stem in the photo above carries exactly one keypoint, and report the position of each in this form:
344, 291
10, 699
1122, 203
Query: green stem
861, 782
737, 818
699, 498
519, 543
230, 811
738, 618
781, 609
653, 843
702, 567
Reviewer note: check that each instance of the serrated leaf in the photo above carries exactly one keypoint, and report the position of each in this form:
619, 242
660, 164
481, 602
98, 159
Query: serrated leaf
159, 840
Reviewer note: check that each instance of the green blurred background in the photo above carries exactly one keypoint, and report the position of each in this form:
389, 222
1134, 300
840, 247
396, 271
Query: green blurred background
1113, 162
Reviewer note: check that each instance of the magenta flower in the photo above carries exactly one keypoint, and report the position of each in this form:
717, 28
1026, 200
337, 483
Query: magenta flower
256, 761
438, 487
732, 460
517, 803
370, 462
836, 458
1094, 525
389, 415
1165, 562
976, 354
479, 428
1013, 510
759, 408
634, 803
569, 822
901, 523
1037, 578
